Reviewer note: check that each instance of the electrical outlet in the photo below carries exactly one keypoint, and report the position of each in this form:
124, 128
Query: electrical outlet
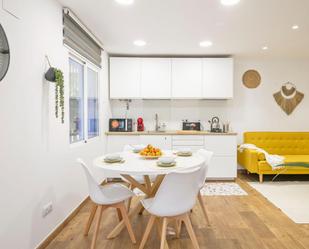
47, 209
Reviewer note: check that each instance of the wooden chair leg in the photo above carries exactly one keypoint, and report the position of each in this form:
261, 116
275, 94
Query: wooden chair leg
203, 208
131, 187
97, 227
147, 231
261, 178
191, 231
163, 233
159, 229
92, 214
178, 227
127, 222
119, 214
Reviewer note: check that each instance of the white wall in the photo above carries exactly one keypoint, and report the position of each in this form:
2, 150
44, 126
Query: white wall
250, 110
37, 161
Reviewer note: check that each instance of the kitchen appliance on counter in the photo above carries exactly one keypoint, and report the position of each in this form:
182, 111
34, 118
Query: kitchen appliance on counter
191, 126
140, 124
120, 124
215, 125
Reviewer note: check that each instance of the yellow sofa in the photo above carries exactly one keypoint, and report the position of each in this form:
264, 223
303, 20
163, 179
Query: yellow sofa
294, 146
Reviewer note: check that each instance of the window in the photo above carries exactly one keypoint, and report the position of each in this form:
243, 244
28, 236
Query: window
84, 101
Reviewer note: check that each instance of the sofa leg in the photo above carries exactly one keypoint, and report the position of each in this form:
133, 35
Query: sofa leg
261, 178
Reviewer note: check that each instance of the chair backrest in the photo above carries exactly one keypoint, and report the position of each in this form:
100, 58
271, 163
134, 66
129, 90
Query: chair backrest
177, 193
127, 148
95, 192
207, 155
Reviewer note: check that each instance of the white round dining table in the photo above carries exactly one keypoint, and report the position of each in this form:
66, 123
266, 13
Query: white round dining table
134, 165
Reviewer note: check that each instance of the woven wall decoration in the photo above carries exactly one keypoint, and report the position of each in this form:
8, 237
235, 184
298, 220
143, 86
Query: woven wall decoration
288, 98
251, 79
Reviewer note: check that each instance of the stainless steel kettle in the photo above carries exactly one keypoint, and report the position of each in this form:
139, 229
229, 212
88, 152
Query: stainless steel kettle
215, 125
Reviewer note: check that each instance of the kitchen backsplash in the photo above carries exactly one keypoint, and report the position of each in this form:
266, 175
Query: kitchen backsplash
172, 112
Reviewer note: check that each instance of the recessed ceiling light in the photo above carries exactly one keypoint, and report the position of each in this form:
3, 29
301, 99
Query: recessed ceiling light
206, 44
139, 43
125, 2
295, 27
229, 2
265, 48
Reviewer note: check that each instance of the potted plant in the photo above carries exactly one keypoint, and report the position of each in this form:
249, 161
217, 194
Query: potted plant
56, 75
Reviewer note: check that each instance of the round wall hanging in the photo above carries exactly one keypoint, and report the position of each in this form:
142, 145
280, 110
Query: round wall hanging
251, 79
4, 54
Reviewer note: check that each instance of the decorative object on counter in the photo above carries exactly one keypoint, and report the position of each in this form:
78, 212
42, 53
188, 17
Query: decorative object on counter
56, 75
226, 127
4, 53
288, 98
140, 124
251, 79
215, 125
191, 126
120, 124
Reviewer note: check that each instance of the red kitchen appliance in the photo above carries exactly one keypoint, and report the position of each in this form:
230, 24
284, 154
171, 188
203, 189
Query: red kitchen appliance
140, 124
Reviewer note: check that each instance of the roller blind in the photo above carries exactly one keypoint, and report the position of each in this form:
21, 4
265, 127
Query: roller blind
77, 38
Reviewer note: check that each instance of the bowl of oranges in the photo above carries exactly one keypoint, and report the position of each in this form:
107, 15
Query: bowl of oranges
150, 152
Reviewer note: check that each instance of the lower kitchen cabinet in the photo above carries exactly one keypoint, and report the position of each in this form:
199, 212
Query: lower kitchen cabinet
160, 141
222, 167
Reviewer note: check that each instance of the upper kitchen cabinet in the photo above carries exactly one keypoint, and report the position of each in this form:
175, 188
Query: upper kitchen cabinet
218, 76
155, 78
187, 78
125, 78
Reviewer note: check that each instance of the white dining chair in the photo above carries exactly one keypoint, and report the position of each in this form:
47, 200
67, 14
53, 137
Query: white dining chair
207, 155
140, 179
175, 198
110, 195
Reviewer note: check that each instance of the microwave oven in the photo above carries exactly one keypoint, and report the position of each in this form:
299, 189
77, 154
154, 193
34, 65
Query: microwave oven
121, 124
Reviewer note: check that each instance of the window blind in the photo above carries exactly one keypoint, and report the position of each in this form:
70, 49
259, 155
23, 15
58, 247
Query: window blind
77, 38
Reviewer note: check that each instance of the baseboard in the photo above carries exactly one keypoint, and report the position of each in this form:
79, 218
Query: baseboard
59, 228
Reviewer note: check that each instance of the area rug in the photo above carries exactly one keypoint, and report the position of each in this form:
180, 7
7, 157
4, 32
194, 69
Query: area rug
222, 188
290, 197
213, 189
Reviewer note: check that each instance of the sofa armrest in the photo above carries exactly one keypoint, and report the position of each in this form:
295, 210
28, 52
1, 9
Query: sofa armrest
249, 159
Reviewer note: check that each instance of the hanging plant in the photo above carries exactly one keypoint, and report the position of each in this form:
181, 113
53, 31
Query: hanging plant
59, 94
56, 75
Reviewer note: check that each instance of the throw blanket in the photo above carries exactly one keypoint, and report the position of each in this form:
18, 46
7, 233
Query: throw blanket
274, 161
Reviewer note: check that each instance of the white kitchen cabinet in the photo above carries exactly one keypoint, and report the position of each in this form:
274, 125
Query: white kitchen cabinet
186, 78
218, 74
116, 143
160, 141
222, 167
125, 78
186, 141
221, 145
156, 78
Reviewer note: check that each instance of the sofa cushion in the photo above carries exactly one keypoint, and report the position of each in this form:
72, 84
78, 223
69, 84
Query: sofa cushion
264, 166
280, 143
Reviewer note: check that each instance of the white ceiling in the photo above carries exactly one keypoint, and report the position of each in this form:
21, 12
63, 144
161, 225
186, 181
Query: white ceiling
175, 27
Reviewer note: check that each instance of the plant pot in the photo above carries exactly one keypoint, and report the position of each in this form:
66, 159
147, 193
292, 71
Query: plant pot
50, 74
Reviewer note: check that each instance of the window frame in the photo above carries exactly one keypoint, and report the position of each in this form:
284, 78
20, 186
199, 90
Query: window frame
86, 64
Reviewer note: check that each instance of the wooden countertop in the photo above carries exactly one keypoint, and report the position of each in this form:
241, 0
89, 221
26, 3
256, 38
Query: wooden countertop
170, 133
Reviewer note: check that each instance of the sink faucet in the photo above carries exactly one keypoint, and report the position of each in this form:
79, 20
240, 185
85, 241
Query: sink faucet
157, 127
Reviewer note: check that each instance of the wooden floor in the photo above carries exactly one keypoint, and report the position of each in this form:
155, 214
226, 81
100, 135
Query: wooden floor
237, 222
